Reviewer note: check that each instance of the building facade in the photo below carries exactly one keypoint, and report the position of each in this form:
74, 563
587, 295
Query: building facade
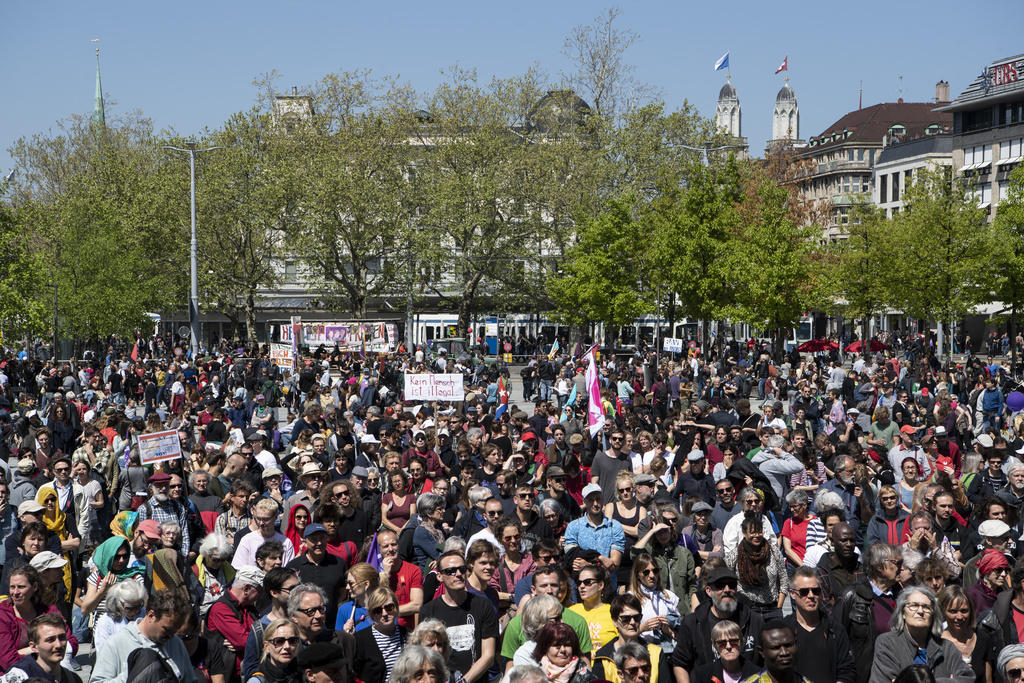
988, 129
729, 118
897, 164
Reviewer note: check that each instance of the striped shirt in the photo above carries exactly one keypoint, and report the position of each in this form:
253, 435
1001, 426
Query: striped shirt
390, 648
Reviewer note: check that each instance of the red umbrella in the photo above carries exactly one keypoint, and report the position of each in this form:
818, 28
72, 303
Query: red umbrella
815, 345
873, 345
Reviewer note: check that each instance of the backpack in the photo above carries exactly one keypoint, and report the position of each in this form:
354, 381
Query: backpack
405, 546
148, 666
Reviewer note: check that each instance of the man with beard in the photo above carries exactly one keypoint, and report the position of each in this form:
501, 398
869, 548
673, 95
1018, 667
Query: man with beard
855, 498
865, 607
841, 567
693, 639
160, 508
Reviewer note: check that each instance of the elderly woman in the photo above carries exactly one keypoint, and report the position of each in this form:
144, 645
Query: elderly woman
213, 569
538, 612
993, 570
433, 635
916, 637
126, 602
428, 537
554, 514
170, 536
418, 664
1010, 663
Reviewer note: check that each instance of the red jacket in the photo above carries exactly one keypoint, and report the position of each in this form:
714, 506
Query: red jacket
232, 621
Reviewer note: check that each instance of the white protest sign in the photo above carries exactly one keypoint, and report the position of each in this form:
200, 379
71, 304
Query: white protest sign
447, 387
282, 356
159, 446
673, 345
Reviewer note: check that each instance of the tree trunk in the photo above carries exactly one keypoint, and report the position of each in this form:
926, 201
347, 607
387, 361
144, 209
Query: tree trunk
250, 318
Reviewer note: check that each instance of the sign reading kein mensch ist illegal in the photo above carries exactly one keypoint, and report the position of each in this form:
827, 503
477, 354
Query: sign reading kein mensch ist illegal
435, 387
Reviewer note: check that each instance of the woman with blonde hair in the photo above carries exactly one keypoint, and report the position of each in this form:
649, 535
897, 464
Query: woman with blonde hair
353, 615
377, 648
280, 645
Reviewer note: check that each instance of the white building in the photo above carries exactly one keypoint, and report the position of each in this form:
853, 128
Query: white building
729, 118
898, 162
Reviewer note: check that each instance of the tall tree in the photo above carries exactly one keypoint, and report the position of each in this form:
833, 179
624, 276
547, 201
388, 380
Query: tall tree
944, 268
1008, 263
23, 314
245, 204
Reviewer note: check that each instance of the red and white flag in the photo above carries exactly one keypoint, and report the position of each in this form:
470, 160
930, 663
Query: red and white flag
784, 66
595, 409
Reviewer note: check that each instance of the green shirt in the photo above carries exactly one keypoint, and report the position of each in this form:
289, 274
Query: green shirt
887, 435
514, 633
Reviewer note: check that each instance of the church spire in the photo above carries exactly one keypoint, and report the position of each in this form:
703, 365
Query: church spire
99, 116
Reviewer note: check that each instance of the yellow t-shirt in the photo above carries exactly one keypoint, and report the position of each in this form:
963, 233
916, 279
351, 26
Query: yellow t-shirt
599, 619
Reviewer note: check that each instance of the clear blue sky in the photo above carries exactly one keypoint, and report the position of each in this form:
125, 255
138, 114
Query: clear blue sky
189, 65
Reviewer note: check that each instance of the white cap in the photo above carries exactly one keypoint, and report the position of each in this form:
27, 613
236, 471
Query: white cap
249, 576
591, 489
47, 560
993, 528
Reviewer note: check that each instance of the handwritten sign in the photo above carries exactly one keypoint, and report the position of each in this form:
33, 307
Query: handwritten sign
447, 387
673, 344
282, 355
159, 446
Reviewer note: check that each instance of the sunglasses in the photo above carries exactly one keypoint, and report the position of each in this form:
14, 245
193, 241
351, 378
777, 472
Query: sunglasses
588, 582
626, 490
630, 618
804, 592
279, 642
638, 669
722, 585
1014, 674
453, 571
310, 611
727, 642
650, 571
390, 607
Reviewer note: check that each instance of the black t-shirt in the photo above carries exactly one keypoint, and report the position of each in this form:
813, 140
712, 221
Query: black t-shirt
467, 626
354, 528
211, 658
329, 575
815, 659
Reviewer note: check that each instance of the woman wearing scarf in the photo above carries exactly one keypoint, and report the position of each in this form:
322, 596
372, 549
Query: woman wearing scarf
761, 570
56, 521
994, 570
110, 566
169, 574
298, 518
558, 652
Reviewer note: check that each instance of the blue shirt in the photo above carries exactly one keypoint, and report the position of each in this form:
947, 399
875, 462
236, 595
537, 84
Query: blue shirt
350, 610
603, 538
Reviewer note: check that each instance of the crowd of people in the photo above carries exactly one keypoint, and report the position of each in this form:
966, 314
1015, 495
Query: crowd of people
727, 519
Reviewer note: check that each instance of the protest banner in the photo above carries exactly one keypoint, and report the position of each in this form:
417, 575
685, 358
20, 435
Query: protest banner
435, 387
282, 355
159, 446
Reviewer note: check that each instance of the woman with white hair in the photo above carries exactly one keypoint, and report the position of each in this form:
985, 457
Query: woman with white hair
540, 610
126, 603
916, 638
418, 664
213, 568
1010, 663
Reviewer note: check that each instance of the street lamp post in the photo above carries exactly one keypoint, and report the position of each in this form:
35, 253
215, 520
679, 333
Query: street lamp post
193, 303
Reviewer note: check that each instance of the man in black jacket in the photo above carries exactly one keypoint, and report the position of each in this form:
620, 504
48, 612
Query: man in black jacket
823, 653
693, 638
865, 607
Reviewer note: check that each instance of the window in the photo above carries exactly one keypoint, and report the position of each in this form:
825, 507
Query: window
908, 178
1010, 150
933, 129
897, 130
860, 155
895, 187
1011, 112
291, 274
977, 157
883, 188
976, 120
983, 194
849, 155
1004, 190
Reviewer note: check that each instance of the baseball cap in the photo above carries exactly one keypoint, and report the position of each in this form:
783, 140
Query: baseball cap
591, 489
555, 471
701, 507
984, 440
47, 560
719, 573
908, 429
151, 528
695, 455
993, 528
312, 529
30, 506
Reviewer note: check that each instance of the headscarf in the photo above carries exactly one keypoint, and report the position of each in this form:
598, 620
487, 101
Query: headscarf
166, 574
291, 533
123, 524
1008, 653
103, 558
991, 560
55, 522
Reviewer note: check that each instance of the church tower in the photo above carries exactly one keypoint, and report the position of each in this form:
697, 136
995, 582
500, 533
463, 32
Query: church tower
785, 120
728, 119
727, 113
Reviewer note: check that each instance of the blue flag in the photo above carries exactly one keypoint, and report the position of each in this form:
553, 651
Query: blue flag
723, 62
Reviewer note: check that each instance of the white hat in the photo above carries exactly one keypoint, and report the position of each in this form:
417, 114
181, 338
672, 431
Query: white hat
249, 576
993, 528
695, 455
984, 440
369, 438
310, 468
591, 489
427, 424
47, 560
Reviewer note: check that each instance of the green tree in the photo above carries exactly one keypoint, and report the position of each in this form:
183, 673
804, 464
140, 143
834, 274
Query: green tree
23, 313
945, 242
245, 205
1008, 263
605, 276
771, 260
859, 268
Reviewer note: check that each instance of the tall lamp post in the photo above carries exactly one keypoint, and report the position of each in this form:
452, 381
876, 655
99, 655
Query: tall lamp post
193, 303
